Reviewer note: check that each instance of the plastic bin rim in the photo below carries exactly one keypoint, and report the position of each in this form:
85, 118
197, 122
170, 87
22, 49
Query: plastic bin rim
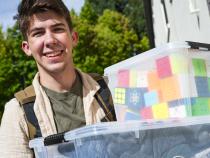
120, 127
148, 54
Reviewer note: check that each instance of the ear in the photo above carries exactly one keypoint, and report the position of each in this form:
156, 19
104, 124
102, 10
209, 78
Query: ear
75, 38
25, 48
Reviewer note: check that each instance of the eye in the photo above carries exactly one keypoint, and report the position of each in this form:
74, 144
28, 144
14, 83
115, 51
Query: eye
59, 29
37, 34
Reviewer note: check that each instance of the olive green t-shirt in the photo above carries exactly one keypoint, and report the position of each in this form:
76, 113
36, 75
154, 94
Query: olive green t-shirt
68, 107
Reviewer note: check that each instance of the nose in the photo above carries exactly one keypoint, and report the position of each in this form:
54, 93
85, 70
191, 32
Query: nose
50, 40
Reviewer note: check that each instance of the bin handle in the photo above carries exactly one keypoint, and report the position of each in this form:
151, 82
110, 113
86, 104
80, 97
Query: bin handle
54, 139
197, 45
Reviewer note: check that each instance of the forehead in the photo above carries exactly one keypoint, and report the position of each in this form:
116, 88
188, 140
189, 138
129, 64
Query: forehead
46, 19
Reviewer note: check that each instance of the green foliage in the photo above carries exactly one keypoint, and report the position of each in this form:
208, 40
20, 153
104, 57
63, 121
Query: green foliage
133, 10
88, 13
107, 42
16, 69
100, 5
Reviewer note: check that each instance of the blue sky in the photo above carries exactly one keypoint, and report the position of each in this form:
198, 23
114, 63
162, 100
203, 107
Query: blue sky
8, 8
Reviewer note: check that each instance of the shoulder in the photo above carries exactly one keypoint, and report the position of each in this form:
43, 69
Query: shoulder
13, 131
13, 119
12, 106
12, 111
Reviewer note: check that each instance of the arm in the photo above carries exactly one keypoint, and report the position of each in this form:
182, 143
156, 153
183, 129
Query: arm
14, 133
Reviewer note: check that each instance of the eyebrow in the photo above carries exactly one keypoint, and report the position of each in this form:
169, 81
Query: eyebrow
40, 28
58, 24
35, 29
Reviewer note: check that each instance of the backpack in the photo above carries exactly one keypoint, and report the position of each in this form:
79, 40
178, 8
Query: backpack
27, 97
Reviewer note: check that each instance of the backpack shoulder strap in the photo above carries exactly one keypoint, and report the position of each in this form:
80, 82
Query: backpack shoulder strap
104, 98
26, 98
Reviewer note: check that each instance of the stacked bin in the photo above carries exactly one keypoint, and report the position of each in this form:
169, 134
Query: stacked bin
173, 138
172, 81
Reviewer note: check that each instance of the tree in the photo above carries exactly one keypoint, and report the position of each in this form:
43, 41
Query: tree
16, 69
88, 14
109, 41
132, 9
2, 51
99, 6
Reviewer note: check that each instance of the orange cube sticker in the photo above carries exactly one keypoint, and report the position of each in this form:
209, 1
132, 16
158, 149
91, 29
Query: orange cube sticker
153, 81
170, 88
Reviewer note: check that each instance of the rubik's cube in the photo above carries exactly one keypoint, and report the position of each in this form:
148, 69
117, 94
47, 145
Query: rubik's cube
135, 98
120, 95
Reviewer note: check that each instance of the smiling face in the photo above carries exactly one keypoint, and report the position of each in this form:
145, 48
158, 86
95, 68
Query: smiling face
50, 42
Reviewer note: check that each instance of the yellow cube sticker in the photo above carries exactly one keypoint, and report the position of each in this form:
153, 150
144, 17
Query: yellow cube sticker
160, 111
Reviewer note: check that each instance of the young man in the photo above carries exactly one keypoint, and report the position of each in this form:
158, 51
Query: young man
65, 97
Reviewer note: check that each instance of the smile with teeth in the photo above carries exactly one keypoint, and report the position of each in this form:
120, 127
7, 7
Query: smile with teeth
54, 54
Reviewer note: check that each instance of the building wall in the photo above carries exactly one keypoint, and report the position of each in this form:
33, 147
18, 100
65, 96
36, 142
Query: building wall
188, 20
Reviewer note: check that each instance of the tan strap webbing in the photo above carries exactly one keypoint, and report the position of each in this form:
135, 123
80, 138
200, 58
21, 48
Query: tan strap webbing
25, 96
98, 77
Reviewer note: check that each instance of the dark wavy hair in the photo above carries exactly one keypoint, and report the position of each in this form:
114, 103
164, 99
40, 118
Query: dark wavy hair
27, 8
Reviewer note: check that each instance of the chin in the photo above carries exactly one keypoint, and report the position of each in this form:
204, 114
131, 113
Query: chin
54, 68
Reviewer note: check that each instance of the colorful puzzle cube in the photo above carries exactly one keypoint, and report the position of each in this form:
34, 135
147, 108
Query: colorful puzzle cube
135, 98
133, 78
151, 98
170, 88
146, 113
202, 86
142, 80
200, 107
207, 61
160, 111
163, 67
123, 78
208, 83
178, 111
153, 81
179, 63
199, 67
119, 95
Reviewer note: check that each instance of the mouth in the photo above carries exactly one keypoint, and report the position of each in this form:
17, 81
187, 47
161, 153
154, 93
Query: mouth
54, 53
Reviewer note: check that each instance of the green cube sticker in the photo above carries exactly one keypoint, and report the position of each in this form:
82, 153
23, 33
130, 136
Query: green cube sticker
199, 67
201, 107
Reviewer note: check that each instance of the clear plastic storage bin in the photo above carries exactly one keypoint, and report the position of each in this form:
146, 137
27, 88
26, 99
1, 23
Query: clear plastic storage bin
172, 138
171, 81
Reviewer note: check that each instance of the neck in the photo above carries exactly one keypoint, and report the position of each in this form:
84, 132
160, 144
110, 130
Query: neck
59, 82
